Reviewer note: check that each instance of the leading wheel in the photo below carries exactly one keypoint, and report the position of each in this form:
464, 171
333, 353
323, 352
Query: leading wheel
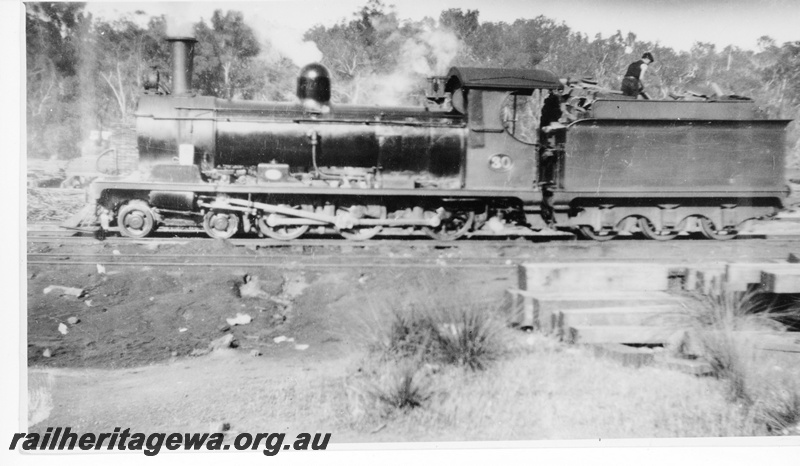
135, 219
456, 225
650, 232
602, 235
711, 232
220, 225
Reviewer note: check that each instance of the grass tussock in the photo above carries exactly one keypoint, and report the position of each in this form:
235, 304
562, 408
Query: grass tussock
780, 412
434, 326
380, 391
467, 336
728, 326
411, 342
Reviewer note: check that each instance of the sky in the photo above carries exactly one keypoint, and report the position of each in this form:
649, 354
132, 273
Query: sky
673, 23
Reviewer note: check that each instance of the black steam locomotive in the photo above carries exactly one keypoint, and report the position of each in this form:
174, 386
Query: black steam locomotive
484, 158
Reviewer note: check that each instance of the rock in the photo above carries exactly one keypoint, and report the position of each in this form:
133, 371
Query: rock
255, 353
240, 319
495, 225
301, 347
675, 343
251, 288
225, 341
115, 252
282, 302
64, 290
199, 352
88, 302
63, 328
73, 320
47, 353
430, 369
220, 427
101, 269
278, 317
279, 339
174, 354
684, 344
182, 329
224, 328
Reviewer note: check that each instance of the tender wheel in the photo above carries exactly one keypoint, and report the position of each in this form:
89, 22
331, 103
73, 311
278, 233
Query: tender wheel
283, 233
711, 232
220, 225
361, 233
135, 219
604, 235
649, 231
453, 226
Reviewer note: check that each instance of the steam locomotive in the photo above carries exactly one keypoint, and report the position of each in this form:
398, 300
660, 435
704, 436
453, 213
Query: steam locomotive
478, 156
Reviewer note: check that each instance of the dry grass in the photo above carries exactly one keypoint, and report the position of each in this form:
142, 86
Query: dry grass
463, 335
442, 367
548, 391
727, 326
411, 341
429, 326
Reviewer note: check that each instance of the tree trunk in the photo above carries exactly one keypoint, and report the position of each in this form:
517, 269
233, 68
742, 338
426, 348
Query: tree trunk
226, 68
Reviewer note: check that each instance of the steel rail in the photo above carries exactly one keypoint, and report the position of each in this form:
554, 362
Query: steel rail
270, 257
279, 243
281, 264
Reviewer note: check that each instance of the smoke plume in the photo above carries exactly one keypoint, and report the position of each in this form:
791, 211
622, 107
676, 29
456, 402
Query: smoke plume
179, 27
289, 43
430, 52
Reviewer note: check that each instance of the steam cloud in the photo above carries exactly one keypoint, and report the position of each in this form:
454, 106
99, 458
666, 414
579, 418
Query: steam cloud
428, 53
179, 27
290, 44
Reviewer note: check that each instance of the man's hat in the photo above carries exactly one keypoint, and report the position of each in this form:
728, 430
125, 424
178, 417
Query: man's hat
649, 56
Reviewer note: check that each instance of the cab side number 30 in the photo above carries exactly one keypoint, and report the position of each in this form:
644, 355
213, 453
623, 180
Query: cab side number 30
500, 162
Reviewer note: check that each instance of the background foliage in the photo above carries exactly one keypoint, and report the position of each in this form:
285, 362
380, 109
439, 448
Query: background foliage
84, 73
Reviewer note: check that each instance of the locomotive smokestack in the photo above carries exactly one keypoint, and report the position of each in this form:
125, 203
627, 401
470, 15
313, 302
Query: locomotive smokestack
182, 58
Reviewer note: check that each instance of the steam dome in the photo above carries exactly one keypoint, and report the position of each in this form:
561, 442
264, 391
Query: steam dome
314, 86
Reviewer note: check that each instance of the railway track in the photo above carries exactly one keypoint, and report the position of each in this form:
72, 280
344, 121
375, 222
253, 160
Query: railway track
465, 255
50, 235
481, 251
279, 260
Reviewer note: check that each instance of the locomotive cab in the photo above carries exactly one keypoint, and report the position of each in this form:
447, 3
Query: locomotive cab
503, 108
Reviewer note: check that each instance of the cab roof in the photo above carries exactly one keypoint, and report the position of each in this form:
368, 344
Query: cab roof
500, 79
